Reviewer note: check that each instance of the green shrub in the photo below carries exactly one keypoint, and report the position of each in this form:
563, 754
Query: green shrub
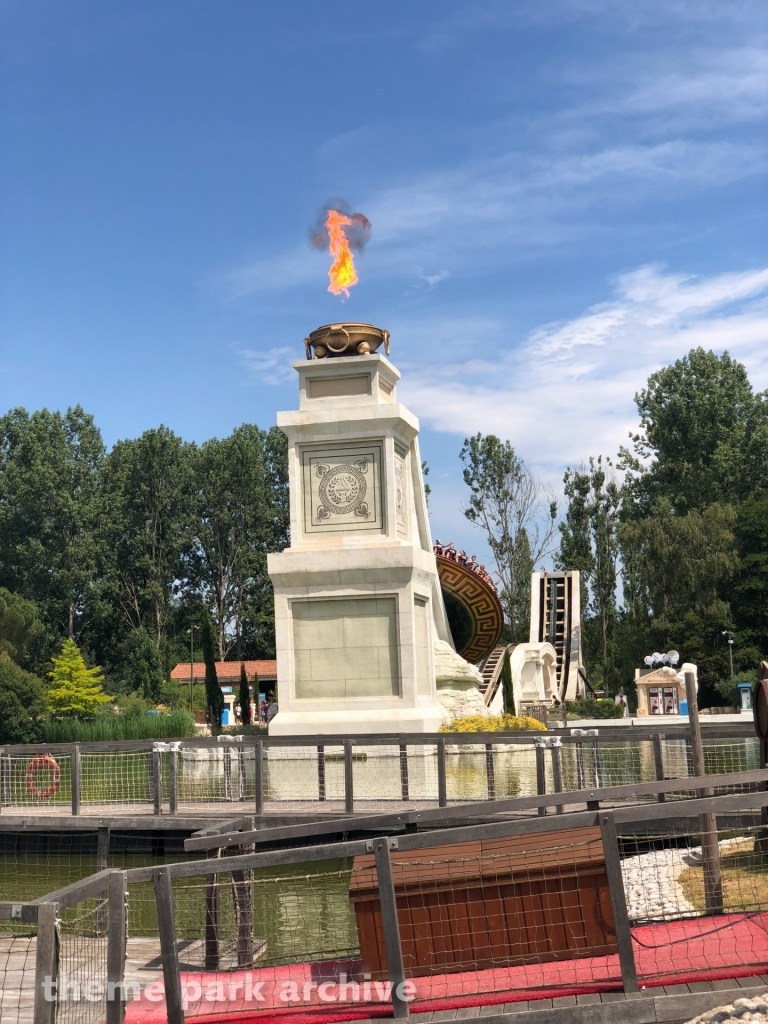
729, 689
494, 723
22, 703
254, 729
176, 725
589, 708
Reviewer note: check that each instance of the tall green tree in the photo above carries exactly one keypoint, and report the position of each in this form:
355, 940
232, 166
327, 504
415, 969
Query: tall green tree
214, 699
748, 592
703, 436
22, 704
49, 513
244, 697
148, 517
146, 666
589, 543
507, 690
238, 520
19, 624
518, 517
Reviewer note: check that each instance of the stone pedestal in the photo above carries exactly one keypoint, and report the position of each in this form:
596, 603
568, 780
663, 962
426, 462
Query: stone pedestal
357, 599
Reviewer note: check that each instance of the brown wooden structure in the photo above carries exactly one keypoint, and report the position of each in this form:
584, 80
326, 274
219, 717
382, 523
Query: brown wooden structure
489, 903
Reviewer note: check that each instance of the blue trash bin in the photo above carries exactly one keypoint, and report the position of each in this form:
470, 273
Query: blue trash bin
683, 707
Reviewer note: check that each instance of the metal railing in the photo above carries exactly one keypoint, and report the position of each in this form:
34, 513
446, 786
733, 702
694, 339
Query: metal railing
94, 915
356, 773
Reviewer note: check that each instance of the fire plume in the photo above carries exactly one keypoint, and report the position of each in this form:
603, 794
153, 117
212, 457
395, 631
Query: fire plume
342, 232
342, 273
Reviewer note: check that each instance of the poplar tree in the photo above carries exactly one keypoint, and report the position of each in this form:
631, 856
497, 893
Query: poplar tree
507, 690
589, 543
244, 697
518, 516
214, 698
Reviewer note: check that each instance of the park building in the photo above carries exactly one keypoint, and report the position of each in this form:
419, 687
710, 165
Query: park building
228, 675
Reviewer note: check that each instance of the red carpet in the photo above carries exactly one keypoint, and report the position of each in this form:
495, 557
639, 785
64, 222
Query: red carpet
704, 949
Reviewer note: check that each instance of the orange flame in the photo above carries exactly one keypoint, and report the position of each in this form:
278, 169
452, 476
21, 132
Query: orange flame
342, 273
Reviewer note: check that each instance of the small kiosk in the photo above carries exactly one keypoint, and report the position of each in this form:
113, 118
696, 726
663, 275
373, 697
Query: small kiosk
745, 697
661, 691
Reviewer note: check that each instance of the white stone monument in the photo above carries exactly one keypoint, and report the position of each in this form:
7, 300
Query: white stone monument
358, 605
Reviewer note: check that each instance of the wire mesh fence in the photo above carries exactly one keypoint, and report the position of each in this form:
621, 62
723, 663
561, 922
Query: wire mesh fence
121, 779
36, 781
32, 863
671, 882
81, 984
506, 911
17, 972
309, 777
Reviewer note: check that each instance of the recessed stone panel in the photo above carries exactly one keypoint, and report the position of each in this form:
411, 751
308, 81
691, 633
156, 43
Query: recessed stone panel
343, 489
345, 648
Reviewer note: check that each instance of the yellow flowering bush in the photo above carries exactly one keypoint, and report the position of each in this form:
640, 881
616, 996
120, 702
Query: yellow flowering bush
495, 723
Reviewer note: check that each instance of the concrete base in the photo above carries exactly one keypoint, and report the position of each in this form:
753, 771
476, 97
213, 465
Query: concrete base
341, 722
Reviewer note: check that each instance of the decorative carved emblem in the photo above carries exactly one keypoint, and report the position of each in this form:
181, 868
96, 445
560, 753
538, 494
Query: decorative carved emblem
343, 490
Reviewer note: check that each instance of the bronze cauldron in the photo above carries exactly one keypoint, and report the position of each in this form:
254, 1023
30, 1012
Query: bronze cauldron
336, 340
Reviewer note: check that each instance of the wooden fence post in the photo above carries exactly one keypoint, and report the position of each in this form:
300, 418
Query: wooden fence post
658, 761
710, 849
557, 770
227, 774
212, 917
321, 774
243, 905
75, 775
173, 780
157, 781
116, 945
618, 902
259, 776
389, 924
5, 780
541, 776
404, 787
46, 964
490, 774
102, 918
174, 1006
442, 789
349, 780
240, 774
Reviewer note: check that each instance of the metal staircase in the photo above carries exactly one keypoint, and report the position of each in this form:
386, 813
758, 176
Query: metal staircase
491, 672
555, 621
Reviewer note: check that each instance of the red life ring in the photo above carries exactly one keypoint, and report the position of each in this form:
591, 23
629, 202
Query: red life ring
43, 761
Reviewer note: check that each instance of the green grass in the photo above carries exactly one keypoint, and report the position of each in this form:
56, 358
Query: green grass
176, 725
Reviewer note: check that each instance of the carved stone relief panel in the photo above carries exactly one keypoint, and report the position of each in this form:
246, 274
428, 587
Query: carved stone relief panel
343, 489
401, 491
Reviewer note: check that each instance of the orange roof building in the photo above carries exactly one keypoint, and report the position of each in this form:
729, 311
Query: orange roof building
228, 672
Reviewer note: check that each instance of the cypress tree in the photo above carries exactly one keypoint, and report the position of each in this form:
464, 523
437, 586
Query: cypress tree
214, 699
506, 685
244, 697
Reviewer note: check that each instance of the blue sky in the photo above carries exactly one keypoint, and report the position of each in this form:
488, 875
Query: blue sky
564, 196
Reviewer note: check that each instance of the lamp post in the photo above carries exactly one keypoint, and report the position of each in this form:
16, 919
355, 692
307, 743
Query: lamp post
191, 669
729, 634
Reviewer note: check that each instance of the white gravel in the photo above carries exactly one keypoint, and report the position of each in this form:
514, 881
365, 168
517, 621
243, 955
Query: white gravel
651, 882
742, 1009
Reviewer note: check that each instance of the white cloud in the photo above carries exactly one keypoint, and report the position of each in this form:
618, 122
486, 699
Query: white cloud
567, 391
477, 210
268, 366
